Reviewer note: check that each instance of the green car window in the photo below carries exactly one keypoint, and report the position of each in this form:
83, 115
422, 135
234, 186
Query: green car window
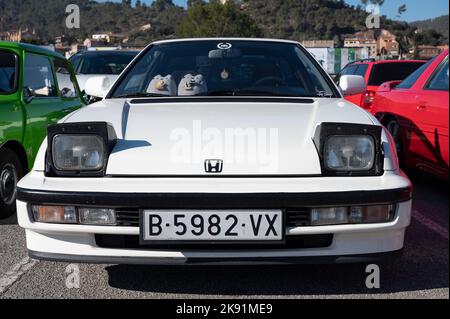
38, 76
8, 72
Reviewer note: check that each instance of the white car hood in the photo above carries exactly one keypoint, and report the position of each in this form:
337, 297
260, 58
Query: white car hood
175, 139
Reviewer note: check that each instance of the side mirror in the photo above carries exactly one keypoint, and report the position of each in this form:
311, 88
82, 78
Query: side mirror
388, 86
352, 84
28, 94
97, 86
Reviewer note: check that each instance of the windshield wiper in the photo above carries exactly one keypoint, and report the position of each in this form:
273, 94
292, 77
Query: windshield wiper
140, 94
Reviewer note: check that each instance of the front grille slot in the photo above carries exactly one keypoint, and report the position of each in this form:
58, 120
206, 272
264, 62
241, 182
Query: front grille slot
127, 217
299, 217
292, 242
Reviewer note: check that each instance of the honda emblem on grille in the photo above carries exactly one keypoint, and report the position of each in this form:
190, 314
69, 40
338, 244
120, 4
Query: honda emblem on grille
213, 166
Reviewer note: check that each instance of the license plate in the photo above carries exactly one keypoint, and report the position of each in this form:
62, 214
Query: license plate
199, 226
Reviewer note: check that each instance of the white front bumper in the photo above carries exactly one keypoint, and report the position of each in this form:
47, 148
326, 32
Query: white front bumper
77, 243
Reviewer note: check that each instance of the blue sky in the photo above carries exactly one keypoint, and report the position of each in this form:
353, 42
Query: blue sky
417, 9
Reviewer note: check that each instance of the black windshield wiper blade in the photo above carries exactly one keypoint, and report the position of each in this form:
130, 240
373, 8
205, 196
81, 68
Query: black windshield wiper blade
257, 93
138, 95
218, 93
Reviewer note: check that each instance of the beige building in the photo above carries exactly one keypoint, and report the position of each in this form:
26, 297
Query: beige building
319, 44
13, 36
108, 37
381, 43
428, 51
363, 40
388, 44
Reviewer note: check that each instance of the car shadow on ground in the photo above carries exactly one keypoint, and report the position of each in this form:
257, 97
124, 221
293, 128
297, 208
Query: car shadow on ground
423, 266
403, 275
12, 220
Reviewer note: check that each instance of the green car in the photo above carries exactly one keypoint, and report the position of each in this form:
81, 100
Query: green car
37, 88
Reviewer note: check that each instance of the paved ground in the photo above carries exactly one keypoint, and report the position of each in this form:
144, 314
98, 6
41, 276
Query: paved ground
421, 273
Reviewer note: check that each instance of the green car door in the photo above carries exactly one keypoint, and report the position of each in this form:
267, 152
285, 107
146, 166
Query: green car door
11, 127
43, 101
37, 88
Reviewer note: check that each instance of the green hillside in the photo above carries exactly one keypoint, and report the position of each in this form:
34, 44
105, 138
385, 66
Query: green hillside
289, 19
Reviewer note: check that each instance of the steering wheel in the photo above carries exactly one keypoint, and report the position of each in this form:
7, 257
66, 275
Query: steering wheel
271, 79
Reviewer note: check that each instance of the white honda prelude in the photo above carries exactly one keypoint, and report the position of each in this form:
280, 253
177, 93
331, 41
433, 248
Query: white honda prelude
217, 151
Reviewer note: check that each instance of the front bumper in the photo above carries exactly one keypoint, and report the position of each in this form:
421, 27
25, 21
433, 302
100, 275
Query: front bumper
350, 243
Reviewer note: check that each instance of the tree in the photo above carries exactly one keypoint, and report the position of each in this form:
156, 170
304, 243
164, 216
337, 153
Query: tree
162, 5
215, 19
127, 3
191, 3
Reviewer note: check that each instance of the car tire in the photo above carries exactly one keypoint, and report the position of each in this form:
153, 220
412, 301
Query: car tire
394, 128
11, 171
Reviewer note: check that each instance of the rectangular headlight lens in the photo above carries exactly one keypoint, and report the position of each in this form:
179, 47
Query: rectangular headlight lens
55, 214
78, 152
349, 153
97, 216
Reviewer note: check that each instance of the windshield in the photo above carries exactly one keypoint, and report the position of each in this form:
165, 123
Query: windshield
112, 63
214, 68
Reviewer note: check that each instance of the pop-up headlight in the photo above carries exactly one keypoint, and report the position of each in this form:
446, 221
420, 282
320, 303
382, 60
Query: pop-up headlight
79, 149
350, 149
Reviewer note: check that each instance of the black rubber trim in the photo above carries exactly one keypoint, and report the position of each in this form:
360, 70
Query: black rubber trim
366, 258
225, 99
218, 201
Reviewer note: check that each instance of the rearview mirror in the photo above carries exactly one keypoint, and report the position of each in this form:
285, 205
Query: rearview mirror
224, 54
388, 86
97, 86
352, 84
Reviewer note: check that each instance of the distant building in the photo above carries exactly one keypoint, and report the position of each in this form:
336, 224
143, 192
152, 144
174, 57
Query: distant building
319, 44
13, 36
362, 40
379, 43
105, 37
17, 35
88, 43
428, 51
110, 37
388, 45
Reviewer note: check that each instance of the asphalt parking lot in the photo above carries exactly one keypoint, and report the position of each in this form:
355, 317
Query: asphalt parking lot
422, 272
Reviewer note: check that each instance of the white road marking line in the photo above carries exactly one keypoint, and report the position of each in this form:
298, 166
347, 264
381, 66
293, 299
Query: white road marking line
430, 224
17, 271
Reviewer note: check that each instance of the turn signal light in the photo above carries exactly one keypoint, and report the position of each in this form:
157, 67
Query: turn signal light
55, 214
73, 215
352, 215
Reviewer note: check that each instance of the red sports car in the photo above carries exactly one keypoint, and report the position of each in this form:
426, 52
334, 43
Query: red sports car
377, 72
416, 113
